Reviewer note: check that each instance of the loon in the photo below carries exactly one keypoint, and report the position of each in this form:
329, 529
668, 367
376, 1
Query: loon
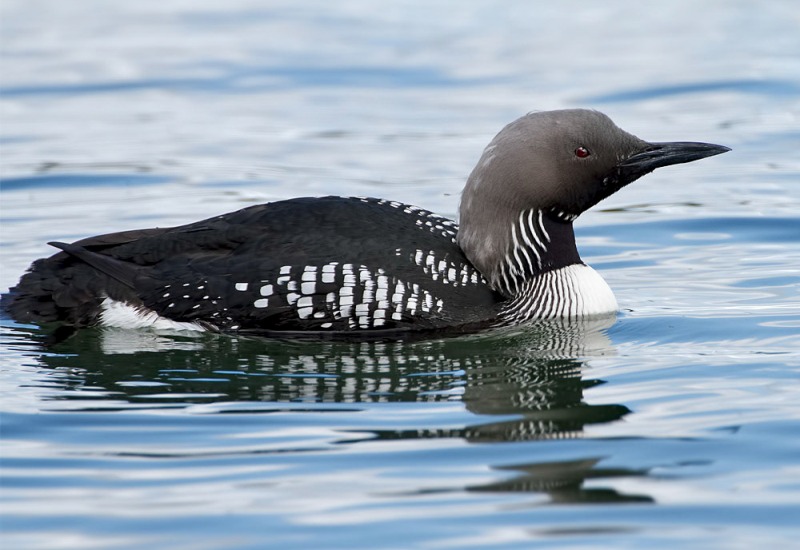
355, 267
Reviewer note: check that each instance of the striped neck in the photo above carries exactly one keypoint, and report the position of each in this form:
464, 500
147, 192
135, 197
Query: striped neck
572, 292
538, 244
542, 273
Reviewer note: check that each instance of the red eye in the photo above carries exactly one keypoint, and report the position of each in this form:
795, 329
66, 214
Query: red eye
582, 152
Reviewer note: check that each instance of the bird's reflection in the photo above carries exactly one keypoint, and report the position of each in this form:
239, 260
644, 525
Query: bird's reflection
522, 384
564, 482
532, 373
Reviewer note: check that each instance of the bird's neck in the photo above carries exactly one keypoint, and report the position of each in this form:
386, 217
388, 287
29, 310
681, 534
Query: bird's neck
529, 244
534, 262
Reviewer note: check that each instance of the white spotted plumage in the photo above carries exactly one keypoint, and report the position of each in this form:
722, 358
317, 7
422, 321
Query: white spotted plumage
363, 297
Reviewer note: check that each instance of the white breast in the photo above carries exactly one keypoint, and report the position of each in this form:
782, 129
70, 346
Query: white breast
572, 292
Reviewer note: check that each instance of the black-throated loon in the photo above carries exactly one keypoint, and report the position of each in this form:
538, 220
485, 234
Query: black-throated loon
359, 266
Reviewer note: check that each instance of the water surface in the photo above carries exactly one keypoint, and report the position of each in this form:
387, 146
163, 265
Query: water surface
675, 423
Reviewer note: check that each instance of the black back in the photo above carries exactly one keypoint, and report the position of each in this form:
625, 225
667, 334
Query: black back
332, 264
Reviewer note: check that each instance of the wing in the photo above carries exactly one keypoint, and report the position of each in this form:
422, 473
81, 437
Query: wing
318, 264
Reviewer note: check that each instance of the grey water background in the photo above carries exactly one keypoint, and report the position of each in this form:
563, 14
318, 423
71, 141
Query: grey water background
676, 424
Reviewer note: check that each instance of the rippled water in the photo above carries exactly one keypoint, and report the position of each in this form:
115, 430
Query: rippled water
677, 423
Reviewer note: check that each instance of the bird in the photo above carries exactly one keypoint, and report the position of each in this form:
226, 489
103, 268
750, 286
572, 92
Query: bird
361, 267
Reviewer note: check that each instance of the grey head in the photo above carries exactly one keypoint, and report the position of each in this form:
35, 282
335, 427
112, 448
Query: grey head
538, 175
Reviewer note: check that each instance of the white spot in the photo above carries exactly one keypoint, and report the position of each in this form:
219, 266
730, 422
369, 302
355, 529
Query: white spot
397, 316
305, 312
266, 290
328, 277
379, 314
345, 301
451, 274
305, 301
310, 274
308, 288
326, 325
418, 257
283, 280
362, 309
165, 295
349, 279
292, 298
381, 294
292, 285
286, 269
346, 291
261, 302
319, 315
379, 322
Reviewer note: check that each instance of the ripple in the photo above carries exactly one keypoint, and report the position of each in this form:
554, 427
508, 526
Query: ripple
68, 181
769, 88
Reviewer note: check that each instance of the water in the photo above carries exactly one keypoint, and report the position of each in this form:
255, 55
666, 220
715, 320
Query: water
677, 423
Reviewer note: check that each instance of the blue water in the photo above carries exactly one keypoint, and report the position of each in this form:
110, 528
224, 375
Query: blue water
675, 424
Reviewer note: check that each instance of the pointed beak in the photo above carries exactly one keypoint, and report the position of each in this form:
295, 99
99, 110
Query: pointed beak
656, 155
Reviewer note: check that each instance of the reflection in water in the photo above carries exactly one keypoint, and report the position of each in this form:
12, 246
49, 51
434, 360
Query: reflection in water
564, 482
521, 384
530, 377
